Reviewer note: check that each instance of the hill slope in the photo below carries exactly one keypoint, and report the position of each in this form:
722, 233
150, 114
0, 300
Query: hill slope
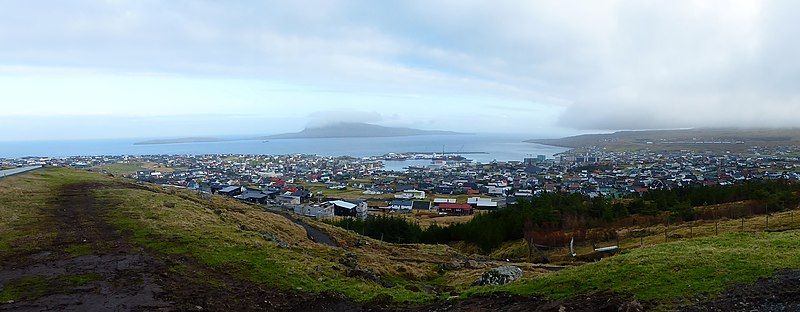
692, 139
356, 130
73, 238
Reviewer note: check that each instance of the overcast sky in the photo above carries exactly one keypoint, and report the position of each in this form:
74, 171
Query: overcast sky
115, 68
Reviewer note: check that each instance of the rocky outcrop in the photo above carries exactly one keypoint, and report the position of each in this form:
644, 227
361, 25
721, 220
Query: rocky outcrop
500, 275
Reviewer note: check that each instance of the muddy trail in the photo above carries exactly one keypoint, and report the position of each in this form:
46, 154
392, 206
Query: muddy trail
90, 267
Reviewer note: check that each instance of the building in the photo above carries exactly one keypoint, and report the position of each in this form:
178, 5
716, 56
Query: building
421, 205
347, 209
230, 191
315, 211
455, 209
409, 194
482, 203
401, 205
253, 197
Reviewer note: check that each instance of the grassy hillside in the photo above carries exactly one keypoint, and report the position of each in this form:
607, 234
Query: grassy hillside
243, 241
673, 272
689, 139
214, 242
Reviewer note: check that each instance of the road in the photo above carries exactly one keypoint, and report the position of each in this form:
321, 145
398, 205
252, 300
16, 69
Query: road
10, 172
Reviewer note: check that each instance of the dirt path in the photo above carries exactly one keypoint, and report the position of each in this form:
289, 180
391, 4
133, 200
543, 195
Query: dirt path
89, 267
315, 234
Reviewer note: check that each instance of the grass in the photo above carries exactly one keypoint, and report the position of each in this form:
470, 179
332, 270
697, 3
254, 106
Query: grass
78, 250
654, 235
32, 287
25, 201
24, 288
671, 271
237, 238
241, 240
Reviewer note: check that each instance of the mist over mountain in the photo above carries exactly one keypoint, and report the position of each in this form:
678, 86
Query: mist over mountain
356, 130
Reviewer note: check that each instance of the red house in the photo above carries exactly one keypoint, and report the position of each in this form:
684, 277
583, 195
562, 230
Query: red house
455, 209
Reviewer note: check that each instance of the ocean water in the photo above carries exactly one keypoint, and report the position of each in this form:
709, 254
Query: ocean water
486, 148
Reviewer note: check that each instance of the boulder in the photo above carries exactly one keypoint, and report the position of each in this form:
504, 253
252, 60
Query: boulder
500, 275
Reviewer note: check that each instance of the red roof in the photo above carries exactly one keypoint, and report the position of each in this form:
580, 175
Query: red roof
454, 206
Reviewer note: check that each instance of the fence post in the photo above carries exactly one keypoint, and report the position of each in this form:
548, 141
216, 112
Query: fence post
742, 230
691, 229
666, 231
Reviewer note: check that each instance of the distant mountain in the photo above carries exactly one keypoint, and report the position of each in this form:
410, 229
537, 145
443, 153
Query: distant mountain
699, 139
356, 130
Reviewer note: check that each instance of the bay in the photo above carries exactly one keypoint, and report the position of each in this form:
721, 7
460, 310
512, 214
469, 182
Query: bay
479, 147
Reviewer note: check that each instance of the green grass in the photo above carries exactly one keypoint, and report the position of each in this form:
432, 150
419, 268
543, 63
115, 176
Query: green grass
229, 237
79, 250
24, 288
25, 201
80, 279
216, 239
121, 168
672, 271
32, 287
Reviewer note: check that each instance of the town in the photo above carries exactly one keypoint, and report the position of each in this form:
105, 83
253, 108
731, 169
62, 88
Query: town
450, 185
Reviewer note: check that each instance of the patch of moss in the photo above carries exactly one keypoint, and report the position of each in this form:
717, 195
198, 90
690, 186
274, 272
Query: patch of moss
78, 250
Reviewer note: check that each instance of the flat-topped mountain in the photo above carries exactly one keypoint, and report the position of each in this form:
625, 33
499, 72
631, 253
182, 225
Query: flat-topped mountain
356, 130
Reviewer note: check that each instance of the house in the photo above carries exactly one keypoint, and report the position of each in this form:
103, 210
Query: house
421, 205
439, 201
400, 205
253, 197
455, 209
482, 203
231, 191
316, 211
288, 199
348, 209
409, 194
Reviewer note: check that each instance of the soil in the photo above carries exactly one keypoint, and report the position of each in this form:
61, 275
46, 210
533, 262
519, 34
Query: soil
779, 292
596, 302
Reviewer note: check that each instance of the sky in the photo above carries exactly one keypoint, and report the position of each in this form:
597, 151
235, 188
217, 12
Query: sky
141, 68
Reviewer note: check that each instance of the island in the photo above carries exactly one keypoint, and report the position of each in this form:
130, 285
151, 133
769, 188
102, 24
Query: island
356, 130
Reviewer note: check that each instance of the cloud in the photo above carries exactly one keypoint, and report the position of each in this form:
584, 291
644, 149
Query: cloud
324, 118
620, 64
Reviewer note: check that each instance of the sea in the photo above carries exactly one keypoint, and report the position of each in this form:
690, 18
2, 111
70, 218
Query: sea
482, 148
